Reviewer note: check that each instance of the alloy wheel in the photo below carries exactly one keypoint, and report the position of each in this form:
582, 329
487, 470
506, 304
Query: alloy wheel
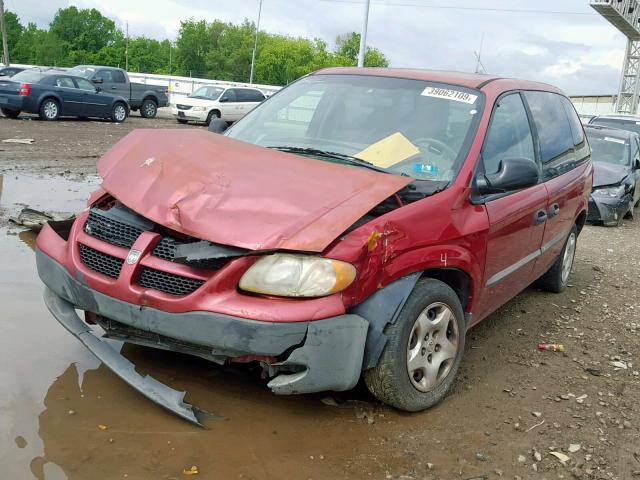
432, 348
567, 259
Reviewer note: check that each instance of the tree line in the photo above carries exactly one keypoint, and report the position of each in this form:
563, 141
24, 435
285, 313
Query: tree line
218, 50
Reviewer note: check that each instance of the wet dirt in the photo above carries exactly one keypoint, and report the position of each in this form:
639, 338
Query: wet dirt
510, 400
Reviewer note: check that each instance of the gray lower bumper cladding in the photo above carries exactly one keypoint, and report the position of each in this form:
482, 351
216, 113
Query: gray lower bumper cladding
322, 354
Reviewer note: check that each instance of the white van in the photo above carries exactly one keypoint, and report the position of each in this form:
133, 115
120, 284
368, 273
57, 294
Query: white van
208, 102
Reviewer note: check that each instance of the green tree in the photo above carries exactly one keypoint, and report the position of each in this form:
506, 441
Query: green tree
348, 46
84, 30
192, 47
14, 32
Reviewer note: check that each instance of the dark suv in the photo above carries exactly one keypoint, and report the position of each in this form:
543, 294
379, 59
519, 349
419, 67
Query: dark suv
357, 223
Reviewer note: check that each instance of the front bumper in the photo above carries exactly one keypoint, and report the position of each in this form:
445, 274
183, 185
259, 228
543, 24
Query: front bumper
189, 115
322, 354
609, 211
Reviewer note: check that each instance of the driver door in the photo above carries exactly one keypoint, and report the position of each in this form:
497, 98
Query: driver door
516, 219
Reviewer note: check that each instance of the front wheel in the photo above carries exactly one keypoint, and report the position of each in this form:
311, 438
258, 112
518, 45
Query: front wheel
557, 277
212, 114
119, 113
49, 110
424, 349
10, 113
149, 108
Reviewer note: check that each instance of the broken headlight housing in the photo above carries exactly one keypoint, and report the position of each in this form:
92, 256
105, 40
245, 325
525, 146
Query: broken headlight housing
610, 192
291, 275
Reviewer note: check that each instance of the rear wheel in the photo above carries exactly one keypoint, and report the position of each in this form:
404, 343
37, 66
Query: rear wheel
424, 349
557, 277
149, 108
119, 112
49, 110
10, 113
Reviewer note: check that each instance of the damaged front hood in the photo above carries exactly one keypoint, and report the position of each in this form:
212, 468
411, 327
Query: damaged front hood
608, 174
235, 193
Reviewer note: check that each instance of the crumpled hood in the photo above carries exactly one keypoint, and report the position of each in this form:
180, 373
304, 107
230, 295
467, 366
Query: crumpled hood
608, 174
235, 193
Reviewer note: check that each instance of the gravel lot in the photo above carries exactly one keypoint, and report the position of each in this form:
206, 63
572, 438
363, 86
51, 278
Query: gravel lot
515, 412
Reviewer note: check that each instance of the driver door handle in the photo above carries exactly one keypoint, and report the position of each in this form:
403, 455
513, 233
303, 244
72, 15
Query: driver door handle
540, 217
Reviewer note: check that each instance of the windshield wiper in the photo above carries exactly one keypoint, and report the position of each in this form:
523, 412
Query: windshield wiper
335, 155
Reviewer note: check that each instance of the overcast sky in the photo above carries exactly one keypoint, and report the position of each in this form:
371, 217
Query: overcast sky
579, 51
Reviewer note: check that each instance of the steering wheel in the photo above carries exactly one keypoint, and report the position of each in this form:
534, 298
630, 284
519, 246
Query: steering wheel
441, 146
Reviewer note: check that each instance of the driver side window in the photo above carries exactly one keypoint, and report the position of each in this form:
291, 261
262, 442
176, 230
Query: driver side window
509, 134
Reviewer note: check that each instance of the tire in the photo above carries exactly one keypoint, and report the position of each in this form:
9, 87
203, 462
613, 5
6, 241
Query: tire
149, 108
49, 110
119, 112
557, 277
392, 381
181, 121
212, 114
10, 113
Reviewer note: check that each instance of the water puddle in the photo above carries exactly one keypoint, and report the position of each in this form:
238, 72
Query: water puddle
54, 394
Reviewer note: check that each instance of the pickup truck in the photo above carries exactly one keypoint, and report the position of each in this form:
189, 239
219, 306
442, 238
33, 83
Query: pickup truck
146, 98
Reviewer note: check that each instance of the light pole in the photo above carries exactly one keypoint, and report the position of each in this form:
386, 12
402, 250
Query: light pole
363, 34
255, 45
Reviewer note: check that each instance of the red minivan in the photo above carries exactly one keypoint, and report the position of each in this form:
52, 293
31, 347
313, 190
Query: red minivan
355, 224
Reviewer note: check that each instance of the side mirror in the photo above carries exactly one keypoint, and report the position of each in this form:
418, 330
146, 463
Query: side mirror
514, 174
218, 125
636, 164
97, 80
98, 89
224, 99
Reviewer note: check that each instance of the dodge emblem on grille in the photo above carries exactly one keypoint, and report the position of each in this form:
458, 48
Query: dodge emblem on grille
133, 256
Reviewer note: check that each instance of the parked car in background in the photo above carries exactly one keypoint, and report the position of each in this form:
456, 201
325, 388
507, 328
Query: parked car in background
585, 119
10, 71
624, 122
53, 94
616, 179
143, 97
357, 223
209, 102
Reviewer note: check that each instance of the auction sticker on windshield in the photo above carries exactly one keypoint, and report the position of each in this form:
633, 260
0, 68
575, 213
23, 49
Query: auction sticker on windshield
448, 94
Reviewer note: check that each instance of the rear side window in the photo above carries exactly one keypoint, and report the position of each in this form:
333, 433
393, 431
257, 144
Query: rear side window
554, 132
249, 95
118, 76
65, 82
509, 134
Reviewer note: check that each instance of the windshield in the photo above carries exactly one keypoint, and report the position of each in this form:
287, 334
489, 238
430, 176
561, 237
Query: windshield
207, 93
84, 72
403, 126
28, 76
607, 149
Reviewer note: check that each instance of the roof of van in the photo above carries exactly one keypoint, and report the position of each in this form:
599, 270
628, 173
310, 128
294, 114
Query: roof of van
469, 80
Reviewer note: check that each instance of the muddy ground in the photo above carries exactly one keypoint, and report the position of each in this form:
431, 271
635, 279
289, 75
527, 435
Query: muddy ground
512, 408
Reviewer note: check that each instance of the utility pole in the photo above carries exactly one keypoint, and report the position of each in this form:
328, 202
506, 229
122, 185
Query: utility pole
3, 27
255, 45
126, 50
363, 34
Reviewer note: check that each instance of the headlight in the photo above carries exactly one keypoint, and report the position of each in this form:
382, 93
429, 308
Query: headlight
610, 192
199, 109
289, 275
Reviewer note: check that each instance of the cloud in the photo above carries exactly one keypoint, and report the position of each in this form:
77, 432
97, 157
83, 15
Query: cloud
578, 52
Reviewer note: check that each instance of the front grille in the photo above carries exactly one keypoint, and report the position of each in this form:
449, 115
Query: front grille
100, 262
110, 230
167, 282
183, 107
